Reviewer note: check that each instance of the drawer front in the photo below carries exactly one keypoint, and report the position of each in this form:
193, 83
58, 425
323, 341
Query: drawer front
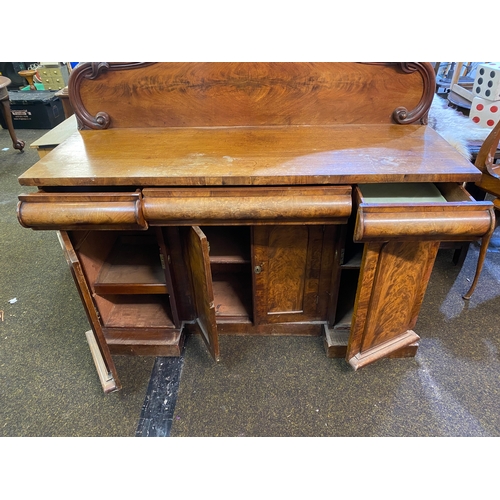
441, 212
330, 204
75, 211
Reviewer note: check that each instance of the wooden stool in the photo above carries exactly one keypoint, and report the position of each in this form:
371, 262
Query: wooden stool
29, 74
4, 100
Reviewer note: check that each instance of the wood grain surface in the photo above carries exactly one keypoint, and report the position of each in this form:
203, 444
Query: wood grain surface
247, 156
392, 284
122, 95
198, 255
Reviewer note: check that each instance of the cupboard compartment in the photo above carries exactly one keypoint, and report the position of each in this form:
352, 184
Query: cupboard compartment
134, 266
232, 296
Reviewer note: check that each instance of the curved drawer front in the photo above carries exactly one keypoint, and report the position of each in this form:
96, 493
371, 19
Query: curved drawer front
331, 204
455, 216
454, 224
81, 211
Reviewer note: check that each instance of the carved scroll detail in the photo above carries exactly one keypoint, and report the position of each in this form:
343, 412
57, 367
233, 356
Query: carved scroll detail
92, 71
401, 114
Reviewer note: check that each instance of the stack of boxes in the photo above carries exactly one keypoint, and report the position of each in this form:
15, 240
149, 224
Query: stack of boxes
485, 108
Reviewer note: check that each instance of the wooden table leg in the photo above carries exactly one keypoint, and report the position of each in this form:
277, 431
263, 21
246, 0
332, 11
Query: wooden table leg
5, 107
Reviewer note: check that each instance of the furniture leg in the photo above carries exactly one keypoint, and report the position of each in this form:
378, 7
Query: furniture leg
4, 99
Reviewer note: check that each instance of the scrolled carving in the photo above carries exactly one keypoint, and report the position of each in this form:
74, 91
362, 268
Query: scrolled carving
485, 160
92, 71
401, 115
102, 119
96, 69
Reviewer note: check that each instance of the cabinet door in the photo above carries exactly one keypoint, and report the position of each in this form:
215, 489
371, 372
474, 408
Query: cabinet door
100, 351
291, 275
402, 226
391, 288
199, 263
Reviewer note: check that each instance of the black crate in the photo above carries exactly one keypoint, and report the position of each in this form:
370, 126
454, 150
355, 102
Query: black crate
39, 109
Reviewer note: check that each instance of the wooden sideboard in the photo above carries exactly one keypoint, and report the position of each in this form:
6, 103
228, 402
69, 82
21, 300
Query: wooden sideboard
253, 199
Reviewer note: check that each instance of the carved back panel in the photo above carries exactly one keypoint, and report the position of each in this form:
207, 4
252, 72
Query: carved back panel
125, 95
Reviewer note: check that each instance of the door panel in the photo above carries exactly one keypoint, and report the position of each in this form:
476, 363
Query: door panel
101, 354
391, 288
286, 269
199, 263
287, 262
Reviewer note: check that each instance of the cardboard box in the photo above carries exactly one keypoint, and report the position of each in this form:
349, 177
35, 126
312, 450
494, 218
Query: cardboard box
40, 109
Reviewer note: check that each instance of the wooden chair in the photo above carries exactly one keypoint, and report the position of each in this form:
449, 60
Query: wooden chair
489, 183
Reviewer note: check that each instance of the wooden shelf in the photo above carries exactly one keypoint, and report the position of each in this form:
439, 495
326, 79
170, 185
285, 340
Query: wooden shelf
228, 245
145, 342
232, 295
132, 269
136, 311
354, 262
345, 321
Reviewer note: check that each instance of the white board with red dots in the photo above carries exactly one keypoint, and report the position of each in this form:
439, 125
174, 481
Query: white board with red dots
484, 112
487, 81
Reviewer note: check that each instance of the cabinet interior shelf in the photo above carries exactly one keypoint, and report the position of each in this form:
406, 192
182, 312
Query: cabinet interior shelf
132, 269
345, 321
354, 262
135, 311
228, 246
232, 295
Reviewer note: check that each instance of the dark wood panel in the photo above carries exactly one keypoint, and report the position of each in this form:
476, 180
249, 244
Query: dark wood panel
179, 273
402, 272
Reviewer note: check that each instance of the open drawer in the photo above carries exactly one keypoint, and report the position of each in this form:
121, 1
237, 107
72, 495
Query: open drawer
420, 211
401, 226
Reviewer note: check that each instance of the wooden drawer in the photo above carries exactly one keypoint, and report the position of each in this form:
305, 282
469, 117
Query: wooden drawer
72, 211
293, 205
419, 211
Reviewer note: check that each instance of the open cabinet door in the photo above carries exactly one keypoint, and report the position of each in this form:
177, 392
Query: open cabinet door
99, 349
391, 288
199, 263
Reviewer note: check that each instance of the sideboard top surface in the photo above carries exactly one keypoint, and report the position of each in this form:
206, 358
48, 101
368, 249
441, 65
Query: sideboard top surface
272, 155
